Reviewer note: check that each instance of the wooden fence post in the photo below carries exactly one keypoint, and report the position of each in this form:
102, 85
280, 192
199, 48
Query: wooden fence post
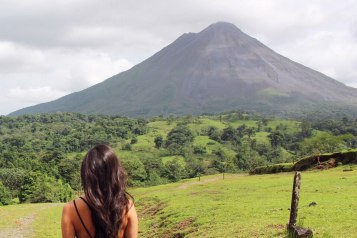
295, 199
293, 229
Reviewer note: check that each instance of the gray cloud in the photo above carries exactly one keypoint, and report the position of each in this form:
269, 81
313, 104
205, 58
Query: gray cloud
51, 48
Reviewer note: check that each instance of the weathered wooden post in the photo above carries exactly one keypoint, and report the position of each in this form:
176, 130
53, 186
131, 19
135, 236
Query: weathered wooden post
224, 168
295, 199
293, 229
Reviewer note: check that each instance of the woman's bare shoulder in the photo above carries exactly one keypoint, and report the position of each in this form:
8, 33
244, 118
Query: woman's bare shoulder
68, 206
68, 209
131, 203
131, 210
131, 229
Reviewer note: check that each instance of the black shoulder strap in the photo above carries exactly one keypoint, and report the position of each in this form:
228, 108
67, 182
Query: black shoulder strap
80, 218
85, 202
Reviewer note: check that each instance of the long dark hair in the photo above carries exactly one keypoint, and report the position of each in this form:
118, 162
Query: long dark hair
104, 184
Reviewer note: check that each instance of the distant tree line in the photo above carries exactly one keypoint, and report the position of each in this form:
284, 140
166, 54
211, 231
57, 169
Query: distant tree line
35, 165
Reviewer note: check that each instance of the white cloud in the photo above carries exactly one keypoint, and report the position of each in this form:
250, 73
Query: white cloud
330, 53
16, 98
38, 78
34, 95
14, 57
91, 68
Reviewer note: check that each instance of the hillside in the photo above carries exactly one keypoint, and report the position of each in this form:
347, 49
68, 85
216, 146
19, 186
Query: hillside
218, 69
43, 152
239, 206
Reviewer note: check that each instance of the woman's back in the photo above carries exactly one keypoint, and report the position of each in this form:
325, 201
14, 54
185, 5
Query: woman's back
79, 224
106, 210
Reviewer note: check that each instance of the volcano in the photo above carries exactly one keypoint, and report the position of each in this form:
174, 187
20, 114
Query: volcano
218, 69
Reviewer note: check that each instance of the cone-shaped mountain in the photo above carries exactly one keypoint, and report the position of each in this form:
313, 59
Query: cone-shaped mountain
218, 69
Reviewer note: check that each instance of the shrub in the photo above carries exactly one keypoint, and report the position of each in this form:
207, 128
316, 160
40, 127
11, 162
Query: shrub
5, 195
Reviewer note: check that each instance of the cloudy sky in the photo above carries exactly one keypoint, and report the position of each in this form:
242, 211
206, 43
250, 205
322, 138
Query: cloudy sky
51, 48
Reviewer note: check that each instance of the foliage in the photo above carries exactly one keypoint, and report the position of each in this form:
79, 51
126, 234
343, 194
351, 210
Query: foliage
40, 155
5, 195
272, 169
180, 135
42, 188
159, 140
136, 171
173, 171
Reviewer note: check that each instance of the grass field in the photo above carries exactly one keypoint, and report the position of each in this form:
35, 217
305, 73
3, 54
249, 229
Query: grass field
238, 206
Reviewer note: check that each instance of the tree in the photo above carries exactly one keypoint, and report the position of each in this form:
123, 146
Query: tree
13, 178
180, 135
231, 134
265, 121
195, 167
214, 134
5, 195
173, 171
247, 158
136, 171
159, 140
27, 187
69, 169
250, 132
127, 146
178, 138
39, 188
48, 189
306, 129
276, 139
249, 161
242, 130
134, 140
222, 162
153, 165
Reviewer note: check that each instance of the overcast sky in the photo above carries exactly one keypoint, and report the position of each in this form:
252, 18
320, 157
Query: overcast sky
51, 48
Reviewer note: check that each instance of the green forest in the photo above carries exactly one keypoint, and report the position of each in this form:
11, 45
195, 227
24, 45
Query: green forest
40, 155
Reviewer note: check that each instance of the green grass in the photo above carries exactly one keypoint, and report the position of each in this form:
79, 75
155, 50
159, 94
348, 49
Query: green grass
178, 158
47, 223
161, 126
206, 142
10, 214
291, 126
239, 206
250, 206
262, 137
31, 220
206, 122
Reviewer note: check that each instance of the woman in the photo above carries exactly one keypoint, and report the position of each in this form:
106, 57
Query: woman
106, 209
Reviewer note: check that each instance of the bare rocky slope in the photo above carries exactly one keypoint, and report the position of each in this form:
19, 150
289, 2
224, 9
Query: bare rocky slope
218, 69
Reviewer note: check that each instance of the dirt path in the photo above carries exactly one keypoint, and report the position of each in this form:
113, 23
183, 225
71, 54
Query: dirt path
23, 228
23, 225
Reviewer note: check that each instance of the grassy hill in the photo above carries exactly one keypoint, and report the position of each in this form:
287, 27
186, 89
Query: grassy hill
198, 125
43, 152
238, 206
